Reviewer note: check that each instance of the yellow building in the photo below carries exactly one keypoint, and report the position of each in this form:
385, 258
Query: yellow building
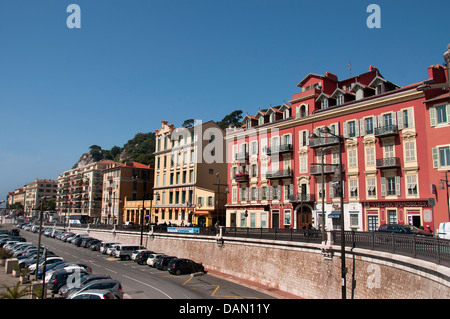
133, 209
189, 164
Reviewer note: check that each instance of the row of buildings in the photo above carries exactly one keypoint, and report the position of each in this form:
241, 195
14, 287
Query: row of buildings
384, 148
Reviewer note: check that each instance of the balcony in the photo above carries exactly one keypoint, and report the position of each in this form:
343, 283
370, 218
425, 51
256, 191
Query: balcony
388, 162
323, 141
385, 131
242, 156
279, 149
241, 178
302, 198
328, 169
286, 173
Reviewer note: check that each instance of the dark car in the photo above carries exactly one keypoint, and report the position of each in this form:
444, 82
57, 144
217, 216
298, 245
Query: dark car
95, 245
403, 229
66, 289
59, 278
86, 242
141, 258
184, 266
162, 262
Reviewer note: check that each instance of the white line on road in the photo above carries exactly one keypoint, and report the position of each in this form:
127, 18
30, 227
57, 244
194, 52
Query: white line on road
111, 270
148, 286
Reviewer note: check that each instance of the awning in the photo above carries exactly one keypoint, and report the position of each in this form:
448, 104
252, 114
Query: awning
335, 214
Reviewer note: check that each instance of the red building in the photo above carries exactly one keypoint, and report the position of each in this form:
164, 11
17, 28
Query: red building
278, 176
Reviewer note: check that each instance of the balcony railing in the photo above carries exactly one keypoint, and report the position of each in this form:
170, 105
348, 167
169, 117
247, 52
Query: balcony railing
283, 148
302, 198
323, 141
387, 130
241, 178
327, 169
242, 156
388, 162
285, 173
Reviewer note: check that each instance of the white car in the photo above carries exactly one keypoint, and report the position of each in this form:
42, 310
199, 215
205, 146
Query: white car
152, 258
134, 254
112, 249
93, 294
49, 261
69, 266
105, 245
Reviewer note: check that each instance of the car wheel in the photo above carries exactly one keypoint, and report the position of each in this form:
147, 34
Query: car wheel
164, 268
178, 272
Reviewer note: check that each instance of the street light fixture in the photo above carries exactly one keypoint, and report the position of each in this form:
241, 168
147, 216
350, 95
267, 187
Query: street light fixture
341, 139
39, 242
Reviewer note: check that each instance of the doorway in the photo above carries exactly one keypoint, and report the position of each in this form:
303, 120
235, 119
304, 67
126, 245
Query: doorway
275, 219
304, 217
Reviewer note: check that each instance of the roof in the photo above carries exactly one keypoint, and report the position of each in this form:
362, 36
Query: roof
439, 97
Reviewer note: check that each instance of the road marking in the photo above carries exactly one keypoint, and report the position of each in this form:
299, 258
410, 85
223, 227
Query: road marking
148, 286
111, 270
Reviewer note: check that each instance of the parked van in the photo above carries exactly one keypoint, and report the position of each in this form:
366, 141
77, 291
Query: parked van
444, 230
125, 251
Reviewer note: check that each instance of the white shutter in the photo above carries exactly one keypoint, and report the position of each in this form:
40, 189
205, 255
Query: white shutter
356, 128
380, 121
435, 153
374, 123
400, 120
362, 130
397, 186
383, 186
433, 116
300, 138
264, 146
307, 137
394, 118
345, 130
410, 117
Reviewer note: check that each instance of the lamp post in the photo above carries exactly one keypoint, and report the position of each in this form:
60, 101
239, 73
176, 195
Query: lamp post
41, 214
341, 139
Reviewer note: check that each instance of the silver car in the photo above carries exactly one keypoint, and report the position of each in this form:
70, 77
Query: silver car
103, 284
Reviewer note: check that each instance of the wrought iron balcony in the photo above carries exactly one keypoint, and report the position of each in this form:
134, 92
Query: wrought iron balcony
285, 173
240, 178
328, 169
283, 148
388, 162
323, 141
242, 156
384, 131
302, 198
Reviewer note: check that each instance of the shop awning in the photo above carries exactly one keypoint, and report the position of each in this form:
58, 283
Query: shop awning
335, 214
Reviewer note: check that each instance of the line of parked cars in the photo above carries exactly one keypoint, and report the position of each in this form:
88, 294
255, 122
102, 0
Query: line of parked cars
140, 254
67, 279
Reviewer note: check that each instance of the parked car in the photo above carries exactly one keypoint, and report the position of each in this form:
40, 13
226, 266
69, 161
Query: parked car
151, 259
104, 284
68, 266
49, 260
403, 229
95, 245
124, 251
65, 290
111, 249
94, 294
180, 266
141, 258
162, 262
105, 245
136, 252
59, 278
444, 230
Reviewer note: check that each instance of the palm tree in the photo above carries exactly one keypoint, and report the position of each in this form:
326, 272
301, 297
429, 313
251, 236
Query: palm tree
14, 293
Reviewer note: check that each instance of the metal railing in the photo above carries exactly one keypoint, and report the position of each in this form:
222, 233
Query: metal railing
427, 248
386, 130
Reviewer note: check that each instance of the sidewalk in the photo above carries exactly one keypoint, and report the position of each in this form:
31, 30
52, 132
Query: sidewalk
11, 281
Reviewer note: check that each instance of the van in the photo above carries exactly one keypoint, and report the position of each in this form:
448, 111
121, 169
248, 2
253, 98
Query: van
444, 230
125, 251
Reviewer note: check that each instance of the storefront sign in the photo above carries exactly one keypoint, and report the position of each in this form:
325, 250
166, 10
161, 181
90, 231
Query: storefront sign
397, 204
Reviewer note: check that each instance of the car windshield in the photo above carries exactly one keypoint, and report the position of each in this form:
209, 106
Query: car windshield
411, 228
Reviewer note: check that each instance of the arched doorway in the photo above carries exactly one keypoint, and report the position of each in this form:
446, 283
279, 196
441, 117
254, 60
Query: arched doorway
303, 216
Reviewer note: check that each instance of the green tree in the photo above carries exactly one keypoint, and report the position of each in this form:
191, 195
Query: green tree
233, 119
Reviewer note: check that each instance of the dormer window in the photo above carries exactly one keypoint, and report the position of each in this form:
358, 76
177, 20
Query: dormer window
379, 89
340, 99
286, 114
324, 104
261, 120
272, 118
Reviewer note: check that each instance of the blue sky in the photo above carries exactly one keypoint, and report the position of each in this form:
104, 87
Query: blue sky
134, 63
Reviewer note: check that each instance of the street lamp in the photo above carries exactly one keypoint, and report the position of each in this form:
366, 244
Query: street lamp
341, 139
39, 238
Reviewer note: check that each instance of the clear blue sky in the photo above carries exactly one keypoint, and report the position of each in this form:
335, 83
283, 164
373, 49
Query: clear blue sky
134, 63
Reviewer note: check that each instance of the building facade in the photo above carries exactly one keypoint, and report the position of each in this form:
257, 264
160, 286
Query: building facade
130, 180
79, 195
34, 191
188, 162
283, 166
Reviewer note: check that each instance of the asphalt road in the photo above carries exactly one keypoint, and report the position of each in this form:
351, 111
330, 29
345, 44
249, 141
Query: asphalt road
143, 282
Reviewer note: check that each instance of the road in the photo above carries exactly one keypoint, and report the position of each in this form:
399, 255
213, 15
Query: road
143, 282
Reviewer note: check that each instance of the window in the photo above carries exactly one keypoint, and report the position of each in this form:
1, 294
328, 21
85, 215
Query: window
371, 187
370, 156
340, 99
234, 195
444, 156
354, 219
410, 151
352, 129
253, 220
352, 158
387, 120
263, 220
405, 119
411, 184
324, 104
389, 151
392, 216
242, 219
372, 221
304, 164
369, 125
441, 114
353, 188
